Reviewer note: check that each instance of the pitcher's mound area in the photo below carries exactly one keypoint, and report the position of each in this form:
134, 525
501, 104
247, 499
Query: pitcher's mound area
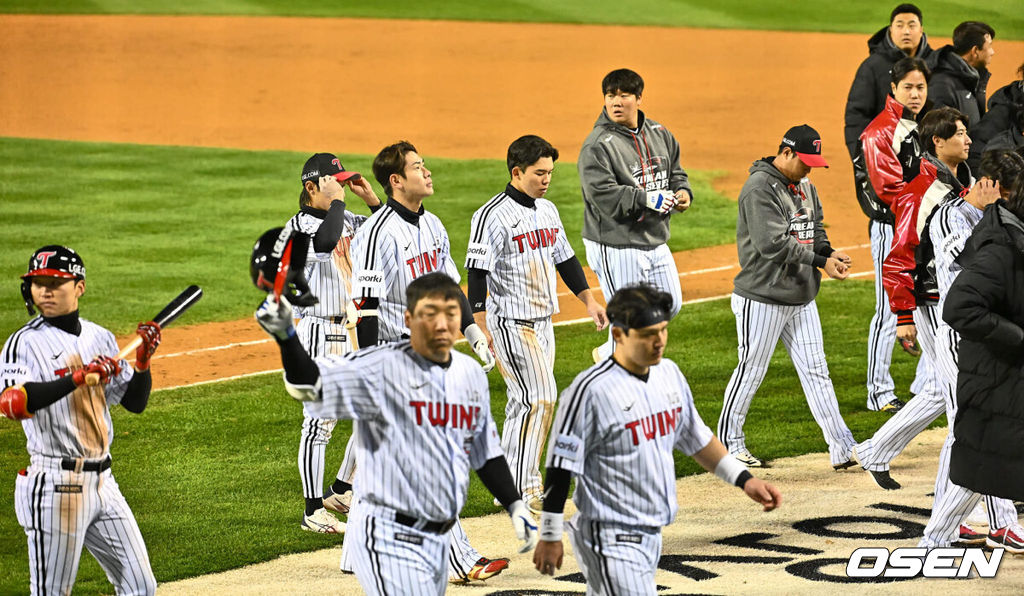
720, 542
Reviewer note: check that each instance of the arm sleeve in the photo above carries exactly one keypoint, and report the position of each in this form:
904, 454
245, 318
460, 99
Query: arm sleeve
329, 232
572, 274
467, 312
136, 395
498, 479
370, 280
603, 192
368, 327
477, 289
974, 295
43, 394
861, 107
769, 229
556, 489
899, 264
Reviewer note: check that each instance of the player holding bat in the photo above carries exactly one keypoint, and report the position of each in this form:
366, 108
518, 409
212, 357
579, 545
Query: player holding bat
68, 498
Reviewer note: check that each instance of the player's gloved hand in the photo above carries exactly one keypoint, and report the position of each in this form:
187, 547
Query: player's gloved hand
276, 317
661, 201
523, 524
478, 341
150, 334
104, 366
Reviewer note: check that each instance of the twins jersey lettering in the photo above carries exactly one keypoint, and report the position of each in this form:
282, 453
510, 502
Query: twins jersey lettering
518, 246
392, 248
329, 274
615, 432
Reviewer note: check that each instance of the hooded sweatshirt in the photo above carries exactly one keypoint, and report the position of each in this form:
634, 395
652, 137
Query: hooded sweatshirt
617, 167
957, 84
779, 237
999, 122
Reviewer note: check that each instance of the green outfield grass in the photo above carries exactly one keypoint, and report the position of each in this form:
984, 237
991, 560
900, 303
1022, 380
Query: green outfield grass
150, 220
210, 470
801, 15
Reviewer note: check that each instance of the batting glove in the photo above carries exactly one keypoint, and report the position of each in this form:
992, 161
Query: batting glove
275, 316
104, 366
150, 334
478, 341
524, 526
661, 201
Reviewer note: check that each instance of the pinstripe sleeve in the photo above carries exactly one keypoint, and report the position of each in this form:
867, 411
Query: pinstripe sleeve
15, 367
481, 250
115, 389
694, 435
372, 251
567, 445
351, 389
563, 250
486, 445
446, 246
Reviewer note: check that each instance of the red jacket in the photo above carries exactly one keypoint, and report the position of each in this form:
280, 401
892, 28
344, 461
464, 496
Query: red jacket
891, 150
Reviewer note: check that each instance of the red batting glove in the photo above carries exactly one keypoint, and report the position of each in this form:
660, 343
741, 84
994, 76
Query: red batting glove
105, 366
150, 334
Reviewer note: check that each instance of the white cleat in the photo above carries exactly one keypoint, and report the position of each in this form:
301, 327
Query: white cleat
323, 522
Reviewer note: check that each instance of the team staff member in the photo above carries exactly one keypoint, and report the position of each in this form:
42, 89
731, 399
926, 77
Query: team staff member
782, 243
516, 243
321, 327
632, 183
1002, 126
891, 153
68, 498
625, 476
425, 409
960, 71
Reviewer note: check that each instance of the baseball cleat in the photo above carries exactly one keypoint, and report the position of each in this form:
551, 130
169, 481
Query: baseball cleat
337, 503
970, 536
893, 406
747, 459
322, 522
486, 568
883, 479
1011, 538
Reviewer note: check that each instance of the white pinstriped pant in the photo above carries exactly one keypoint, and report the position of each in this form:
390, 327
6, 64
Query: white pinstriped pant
882, 331
390, 558
759, 326
620, 267
61, 511
615, 558
526, 355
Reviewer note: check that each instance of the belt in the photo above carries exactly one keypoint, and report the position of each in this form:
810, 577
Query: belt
426, 526
85, 465
335, 320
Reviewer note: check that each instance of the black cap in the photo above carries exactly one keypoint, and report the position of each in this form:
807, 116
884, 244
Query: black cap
55, 261
806, 143
326, 164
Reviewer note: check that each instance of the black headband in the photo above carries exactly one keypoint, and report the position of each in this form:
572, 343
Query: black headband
646, 318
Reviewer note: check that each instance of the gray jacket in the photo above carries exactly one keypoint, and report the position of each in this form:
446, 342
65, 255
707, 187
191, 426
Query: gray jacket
779, 237
617, 168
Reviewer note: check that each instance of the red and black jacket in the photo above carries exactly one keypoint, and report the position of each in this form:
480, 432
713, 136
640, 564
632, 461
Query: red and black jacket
891, 157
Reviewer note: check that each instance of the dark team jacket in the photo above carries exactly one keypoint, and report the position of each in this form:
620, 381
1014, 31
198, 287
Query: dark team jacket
881, 171
1002, 121
908, 272
984, 306
871, 84
956, 84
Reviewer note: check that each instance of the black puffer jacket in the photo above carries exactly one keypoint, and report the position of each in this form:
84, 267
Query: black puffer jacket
871, 84
999, 121
984, 305
956, 84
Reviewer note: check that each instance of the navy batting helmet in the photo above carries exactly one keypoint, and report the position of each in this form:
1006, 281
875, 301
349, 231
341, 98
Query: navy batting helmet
52, 260
277, 265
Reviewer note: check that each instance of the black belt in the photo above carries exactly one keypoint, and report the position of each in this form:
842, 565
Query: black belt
430, 526
87, 465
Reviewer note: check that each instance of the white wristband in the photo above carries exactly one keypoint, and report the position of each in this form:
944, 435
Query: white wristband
551, 526
729, 469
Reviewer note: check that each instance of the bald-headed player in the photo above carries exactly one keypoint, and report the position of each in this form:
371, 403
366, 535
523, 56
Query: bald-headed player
423, 418
516, 244
67, 498
616, 428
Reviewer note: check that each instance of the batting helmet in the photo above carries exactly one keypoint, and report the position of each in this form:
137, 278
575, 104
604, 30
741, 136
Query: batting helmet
51, 260
277, 265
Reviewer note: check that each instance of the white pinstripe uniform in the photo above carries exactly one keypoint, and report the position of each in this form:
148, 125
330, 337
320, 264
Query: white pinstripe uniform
321, 330
389, 251
518, 246
950, 227
616, 431
61, 506
421, 427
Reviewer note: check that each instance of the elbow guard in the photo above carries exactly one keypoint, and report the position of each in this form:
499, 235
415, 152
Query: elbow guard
303, 392
14, 403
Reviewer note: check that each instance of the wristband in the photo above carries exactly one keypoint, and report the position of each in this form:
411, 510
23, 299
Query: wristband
551, 526
742, 480
729, 469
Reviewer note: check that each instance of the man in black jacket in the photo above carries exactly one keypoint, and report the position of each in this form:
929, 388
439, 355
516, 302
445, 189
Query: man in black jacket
1002, 126
960, 71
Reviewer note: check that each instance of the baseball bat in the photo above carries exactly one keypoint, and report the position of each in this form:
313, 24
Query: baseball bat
174, 309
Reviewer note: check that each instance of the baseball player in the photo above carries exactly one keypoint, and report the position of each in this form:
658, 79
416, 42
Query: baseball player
889, 157
632, 183
782, 243
68, 498
423, 416
517, 243
949, 228
321, 327
617, 426
396, 245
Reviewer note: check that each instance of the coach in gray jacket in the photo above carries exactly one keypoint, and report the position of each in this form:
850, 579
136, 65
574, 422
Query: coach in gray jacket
632, 183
